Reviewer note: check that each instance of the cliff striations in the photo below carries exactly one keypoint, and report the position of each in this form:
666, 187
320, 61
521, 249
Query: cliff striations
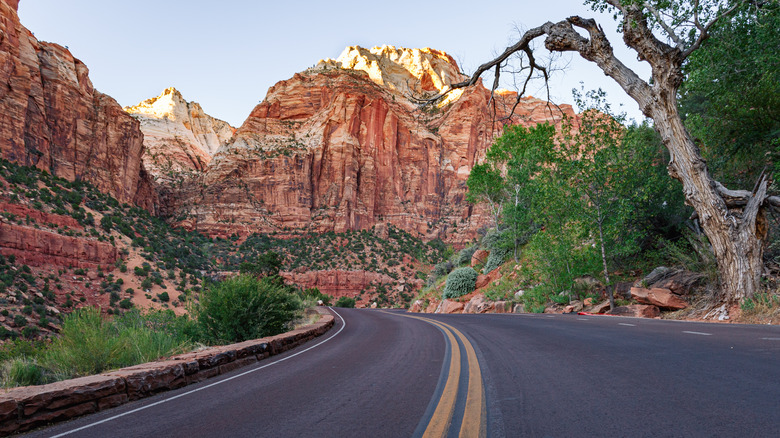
178, 135
344, 146
52, 118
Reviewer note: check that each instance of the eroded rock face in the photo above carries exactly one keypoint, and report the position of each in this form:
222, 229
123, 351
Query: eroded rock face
52, 118
44, 248
341, 146
178, 135
337, 283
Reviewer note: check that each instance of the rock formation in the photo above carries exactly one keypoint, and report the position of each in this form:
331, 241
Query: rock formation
178, 135
52, 118
344, 145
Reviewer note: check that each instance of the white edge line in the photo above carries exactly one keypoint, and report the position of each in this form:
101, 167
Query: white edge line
770, 339
628, 325
697, 333
344, 324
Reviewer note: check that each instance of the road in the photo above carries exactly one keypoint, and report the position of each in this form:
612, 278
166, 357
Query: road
390, 374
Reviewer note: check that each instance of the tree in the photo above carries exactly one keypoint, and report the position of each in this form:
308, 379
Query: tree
486, 184
664, 34
733, 108
268, 264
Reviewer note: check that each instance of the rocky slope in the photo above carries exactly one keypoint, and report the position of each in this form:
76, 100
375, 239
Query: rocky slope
52, 118
344, 146
178, 135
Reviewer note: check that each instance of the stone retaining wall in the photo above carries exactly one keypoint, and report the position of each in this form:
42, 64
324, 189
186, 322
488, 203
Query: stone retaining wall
28, 407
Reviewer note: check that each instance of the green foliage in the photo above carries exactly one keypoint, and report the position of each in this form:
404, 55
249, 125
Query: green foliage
731, 97
345, 302
460, 282
267, 264
464, 256
89, 344
486, 184
21, 371
245, 307
496, 258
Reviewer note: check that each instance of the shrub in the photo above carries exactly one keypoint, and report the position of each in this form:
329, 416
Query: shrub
495, 259
245, 307
460, 282
22, 372
464, 256
345, 302
88, 344
441, 269
164, 297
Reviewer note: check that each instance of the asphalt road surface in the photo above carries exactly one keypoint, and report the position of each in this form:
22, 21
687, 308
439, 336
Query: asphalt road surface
390, 374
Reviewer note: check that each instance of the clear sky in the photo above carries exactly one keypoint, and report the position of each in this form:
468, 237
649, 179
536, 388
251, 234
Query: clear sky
226, 54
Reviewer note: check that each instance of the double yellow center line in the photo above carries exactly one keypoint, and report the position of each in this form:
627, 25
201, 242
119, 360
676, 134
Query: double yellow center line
473, 421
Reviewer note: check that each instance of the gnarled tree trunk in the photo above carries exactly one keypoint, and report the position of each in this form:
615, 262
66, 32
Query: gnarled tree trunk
733, 220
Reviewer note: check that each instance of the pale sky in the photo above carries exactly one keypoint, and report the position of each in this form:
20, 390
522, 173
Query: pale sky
226, 54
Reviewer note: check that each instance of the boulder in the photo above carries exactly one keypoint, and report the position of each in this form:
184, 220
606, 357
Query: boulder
623, 290
502, 307
478, 304
416, 307
588, 302
637, 310
680, 283
600, 308
518, 308
656, 275
480, 256
663, 298
482, 281
449, 306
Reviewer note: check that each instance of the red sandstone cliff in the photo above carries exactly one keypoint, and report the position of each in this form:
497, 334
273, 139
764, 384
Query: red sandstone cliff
52, 118
343, 146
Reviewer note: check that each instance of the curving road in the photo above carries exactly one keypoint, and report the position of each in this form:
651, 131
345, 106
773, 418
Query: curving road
390, 374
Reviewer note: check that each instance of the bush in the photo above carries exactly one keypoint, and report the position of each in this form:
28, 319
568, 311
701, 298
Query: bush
464, 256
22, 372
441, 269
460, 282
245, 307
88, 344
495, 259
345, 302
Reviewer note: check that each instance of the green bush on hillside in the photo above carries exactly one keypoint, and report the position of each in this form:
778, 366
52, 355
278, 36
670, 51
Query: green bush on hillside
464, 256
345, 302
496, 258
245, 307
460, 282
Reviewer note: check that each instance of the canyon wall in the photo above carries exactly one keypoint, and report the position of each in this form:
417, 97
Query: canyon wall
345, 146
52, 118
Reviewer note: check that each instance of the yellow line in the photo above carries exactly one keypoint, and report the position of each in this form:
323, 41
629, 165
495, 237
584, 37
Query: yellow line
442, 416
473, 424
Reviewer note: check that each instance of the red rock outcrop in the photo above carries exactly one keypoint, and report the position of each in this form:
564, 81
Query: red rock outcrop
337, 283
663, 298
45, 248
52, 118
637, 311
342, 146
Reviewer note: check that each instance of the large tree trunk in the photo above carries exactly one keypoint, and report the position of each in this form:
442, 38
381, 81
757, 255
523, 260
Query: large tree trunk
736, 235
732, 220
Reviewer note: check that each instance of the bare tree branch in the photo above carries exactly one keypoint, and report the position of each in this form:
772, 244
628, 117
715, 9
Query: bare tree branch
672, 34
